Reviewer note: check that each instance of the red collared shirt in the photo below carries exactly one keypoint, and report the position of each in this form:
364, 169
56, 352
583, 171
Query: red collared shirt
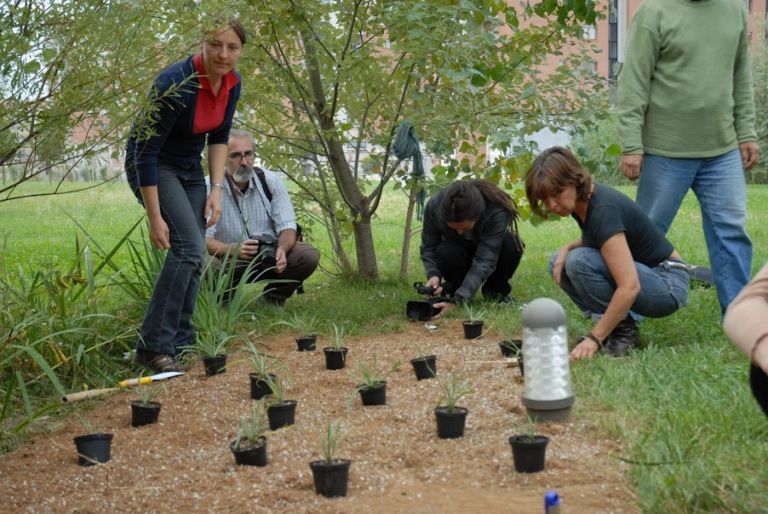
210, 109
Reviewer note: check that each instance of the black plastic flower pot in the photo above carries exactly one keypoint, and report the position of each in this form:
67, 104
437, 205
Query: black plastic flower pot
144, 414
450, 423
255, 455
335, 359
259, 386
425, 367
93, 448
376, 395
306, 343
281, 414
472, 329
528, 452
330, 478
511, 348
215, 365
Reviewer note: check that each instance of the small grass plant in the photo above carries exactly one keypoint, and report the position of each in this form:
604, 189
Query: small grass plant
262, 364
252, 427
338, 336
453, 390
473, 313
221, 305
144, 395
370, 374
303, 323
333, 436
278, 385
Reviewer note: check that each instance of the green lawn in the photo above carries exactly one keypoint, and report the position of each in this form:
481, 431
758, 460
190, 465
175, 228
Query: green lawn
694, 437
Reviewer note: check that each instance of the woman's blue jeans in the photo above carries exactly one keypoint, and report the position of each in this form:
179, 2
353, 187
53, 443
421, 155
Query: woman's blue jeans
167, 323
718, 183
587, 280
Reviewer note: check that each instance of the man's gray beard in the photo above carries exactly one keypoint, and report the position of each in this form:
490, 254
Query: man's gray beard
243, 174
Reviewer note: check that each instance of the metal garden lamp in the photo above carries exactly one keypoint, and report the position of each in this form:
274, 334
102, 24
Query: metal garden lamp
548, 395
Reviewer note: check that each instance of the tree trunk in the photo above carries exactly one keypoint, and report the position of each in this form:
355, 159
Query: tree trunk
407, 235
366, 254
348, 187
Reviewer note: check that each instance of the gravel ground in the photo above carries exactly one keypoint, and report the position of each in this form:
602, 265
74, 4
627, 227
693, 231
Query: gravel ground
183, 463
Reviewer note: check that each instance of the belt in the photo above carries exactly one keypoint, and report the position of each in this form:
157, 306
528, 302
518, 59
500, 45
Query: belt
674, 264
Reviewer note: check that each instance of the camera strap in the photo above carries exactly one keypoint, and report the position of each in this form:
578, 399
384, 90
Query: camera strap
263, 180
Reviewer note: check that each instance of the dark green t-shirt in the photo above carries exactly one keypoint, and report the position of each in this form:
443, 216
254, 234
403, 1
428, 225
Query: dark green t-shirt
610, 212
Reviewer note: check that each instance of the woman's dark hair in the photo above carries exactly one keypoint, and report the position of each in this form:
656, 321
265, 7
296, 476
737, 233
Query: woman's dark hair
233, 23
465, 200
553, 170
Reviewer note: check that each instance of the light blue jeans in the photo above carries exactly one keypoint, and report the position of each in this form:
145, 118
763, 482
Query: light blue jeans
718, 183
167, 323
588, 282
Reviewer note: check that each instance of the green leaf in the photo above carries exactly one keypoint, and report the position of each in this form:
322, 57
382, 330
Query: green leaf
40, 360
49, 54
613, 151
32, 67
479, 80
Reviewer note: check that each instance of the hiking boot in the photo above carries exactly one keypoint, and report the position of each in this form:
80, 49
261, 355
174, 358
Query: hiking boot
623, 338
157, 362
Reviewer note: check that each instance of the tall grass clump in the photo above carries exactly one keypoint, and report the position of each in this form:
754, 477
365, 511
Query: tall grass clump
55, 336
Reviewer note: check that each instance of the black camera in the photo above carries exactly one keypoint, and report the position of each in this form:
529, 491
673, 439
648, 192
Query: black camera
423, 310
423, 289
267, 250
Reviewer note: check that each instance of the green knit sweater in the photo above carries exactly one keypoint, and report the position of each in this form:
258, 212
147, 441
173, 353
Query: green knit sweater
685, 90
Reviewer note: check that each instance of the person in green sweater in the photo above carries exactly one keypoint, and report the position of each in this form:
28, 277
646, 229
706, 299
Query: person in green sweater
687, 121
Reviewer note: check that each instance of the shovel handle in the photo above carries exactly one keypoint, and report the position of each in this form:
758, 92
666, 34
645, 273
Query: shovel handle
82, 395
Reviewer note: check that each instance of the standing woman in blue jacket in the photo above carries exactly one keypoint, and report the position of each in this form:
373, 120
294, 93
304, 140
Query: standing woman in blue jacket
192, 103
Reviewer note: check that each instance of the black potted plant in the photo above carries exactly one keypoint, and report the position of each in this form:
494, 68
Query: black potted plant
425, 366
511, 344
250, 444
331, 474
306, 326
373, 382
450, 418
336, 354
473, 323
217, 312
528, 449
281, 412
212, 345
263, 367
94, 447
143, 410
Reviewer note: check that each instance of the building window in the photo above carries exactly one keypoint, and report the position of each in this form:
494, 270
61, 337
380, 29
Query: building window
588, 32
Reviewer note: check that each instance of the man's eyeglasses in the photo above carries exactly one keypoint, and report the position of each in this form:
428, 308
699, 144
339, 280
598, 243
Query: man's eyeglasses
236, 156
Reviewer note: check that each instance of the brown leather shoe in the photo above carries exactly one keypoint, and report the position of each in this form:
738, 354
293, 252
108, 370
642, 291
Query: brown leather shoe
157, 362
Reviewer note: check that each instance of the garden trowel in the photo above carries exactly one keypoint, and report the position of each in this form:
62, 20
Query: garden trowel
82, 395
